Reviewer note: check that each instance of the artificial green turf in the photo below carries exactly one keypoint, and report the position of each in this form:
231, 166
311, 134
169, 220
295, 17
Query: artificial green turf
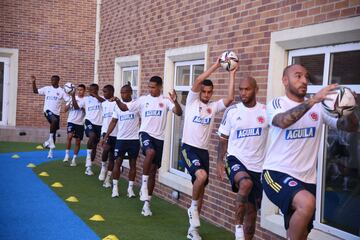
27, 147
122, 215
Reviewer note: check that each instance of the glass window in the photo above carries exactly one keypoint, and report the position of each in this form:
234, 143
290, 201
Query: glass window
1, 89
130, 75
185, 74
339, 173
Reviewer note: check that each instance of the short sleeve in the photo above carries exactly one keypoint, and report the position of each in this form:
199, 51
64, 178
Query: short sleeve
135, 106
225, 125
81, 103
273, 108
66, 97
170, 105
191, 97
116, 112
42, 90
219, 105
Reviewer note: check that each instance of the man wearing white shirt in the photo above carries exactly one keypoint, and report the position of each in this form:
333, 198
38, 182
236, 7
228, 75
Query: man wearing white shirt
54, 95
243, 133
289, 174
75, 125
199, 119
153, 108
127, 141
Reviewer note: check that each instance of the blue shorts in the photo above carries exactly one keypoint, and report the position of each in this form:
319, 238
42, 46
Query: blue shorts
193, 159
89, 127
111, 141
50, 116
234, 166
149, 142
131, 147
76, 130
281, 188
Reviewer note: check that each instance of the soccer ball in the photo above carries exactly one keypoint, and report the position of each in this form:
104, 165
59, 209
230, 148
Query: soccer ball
69, 87
340, 103
228, 60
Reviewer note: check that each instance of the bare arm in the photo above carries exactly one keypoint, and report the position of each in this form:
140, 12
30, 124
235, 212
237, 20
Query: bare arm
222, 148
286, 119
123, 107
230, 97
74, 102
196, 87
100, 99
111, 127
33, 82
177, 109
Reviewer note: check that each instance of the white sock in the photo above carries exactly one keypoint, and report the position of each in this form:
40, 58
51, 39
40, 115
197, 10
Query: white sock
88, 153
50, 151
144, 180
149, 198
131, 184
88, 158
147, 203
67, 151
103, 164
194, 203
238, 227
108, 176
51, 137
74, 157
115, 182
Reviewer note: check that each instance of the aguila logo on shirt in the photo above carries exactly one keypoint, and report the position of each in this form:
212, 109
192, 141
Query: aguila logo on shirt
291, 134
201, 120
314, 116
249, 132
161, 105
293, 183
261, 119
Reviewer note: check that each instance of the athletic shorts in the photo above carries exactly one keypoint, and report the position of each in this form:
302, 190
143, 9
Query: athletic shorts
76, 130
50, 116
89, 127
193, 159
131, 147
234, 166
149, 142
281, 188
111, 141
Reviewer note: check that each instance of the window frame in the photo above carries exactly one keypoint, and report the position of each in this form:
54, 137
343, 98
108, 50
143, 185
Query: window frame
132, 69
322, 34
5, 103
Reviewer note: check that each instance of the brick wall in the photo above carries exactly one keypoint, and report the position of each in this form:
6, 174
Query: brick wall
53, 37
151, 27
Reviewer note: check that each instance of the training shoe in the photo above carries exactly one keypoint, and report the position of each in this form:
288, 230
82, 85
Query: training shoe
46, 144
130, 193
66, 158
115, 192
102, 174
73, 163
88, 171
193, 234
51, 145
50, 154
146, 211
144, 194
194, 218
107, 184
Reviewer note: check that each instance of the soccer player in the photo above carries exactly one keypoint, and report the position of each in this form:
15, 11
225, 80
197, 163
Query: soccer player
93, 122
54, 95
108, 108
153, 108
127, 141
289, 174
75, 124
199, 119
243, 133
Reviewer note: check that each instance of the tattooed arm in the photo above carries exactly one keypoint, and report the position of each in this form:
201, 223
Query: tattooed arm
286, 119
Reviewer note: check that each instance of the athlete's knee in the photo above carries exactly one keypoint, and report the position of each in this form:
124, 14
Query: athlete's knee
150, 152
305, 205
201, 175
245, 184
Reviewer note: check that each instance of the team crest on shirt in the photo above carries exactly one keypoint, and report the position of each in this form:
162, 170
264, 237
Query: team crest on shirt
196, 162
146, 142
208, 110
146, 104
293, 183
161, 105
314, 116
58, 94
261, 119
235, 167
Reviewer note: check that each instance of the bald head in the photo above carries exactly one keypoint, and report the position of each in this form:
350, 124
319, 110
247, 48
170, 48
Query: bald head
248, 89
291, 67
251, 81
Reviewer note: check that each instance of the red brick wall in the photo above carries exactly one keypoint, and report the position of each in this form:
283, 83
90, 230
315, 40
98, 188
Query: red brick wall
150, 28
53, 37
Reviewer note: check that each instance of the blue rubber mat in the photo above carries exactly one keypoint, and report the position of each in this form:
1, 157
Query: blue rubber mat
29, 209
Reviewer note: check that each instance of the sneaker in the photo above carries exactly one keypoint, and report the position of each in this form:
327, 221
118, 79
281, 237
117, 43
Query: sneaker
130, 193
46, 144
144, 194
51, 145
194, 218
115, 192
146, 211
50, 154
88, 171
193, 234
73, 163
107, 184
239, 233
102, 174
66, 158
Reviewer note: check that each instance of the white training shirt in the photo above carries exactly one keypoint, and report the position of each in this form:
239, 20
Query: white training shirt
153, 114
294, 150
199, 119
128, 124
247, 129
53, 97
108, 109
76, 116
93, 110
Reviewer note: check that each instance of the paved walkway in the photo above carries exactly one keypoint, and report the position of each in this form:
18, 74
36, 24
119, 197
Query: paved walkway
29, 209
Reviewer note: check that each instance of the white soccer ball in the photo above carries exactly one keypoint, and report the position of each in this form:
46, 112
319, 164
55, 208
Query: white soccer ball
69, 87
340, 103
228, 60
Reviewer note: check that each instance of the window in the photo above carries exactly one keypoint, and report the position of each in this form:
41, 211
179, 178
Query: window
339, 174
185, 74
130, 75
283, 43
